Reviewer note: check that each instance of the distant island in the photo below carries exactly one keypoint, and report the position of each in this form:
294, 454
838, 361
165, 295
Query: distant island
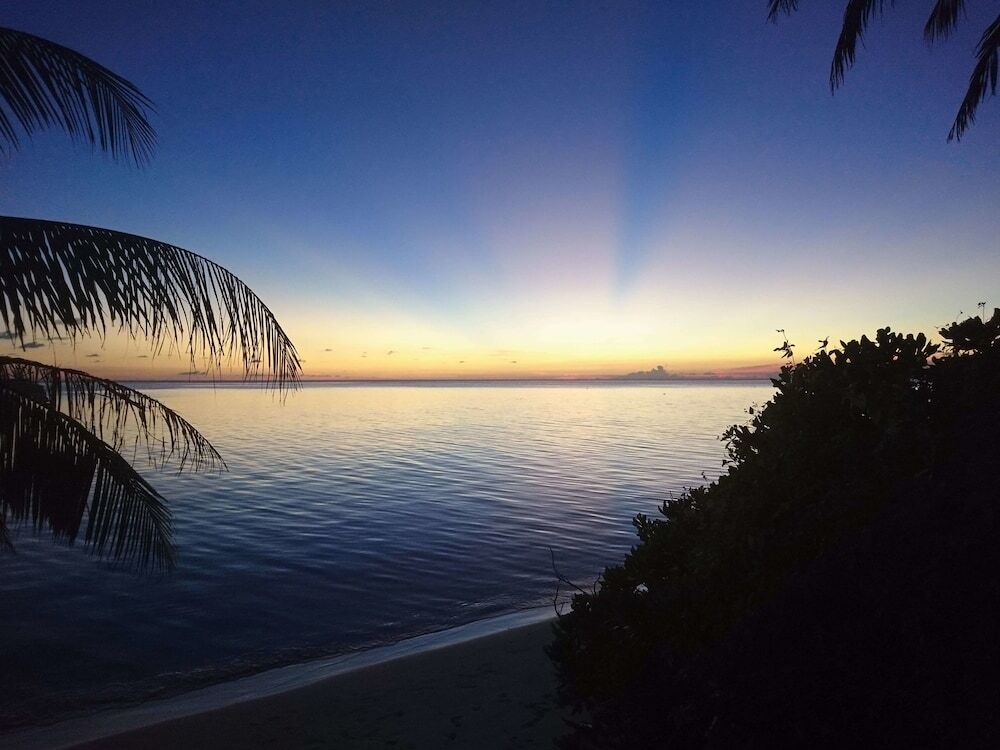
657, 373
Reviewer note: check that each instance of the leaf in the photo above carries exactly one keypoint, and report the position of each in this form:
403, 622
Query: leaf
982, 82
775, 7
117, 415
55, 474
43, 84
857, 16
59, 279
943, 19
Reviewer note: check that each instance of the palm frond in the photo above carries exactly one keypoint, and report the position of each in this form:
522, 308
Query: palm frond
119, 416
857, 16
943, 18
55, 474
982, 82
67, 279
776, 7
43, 84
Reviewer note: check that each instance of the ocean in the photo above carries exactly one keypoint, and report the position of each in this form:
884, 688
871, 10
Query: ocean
354, 515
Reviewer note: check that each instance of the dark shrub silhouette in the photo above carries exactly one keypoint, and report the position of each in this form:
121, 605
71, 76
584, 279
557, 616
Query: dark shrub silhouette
837, 585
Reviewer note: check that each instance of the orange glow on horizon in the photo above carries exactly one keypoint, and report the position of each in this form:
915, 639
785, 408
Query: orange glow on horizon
121, 359
534, 338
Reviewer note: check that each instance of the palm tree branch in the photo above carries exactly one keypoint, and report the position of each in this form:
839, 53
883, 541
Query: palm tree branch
777, 7
54, 473
114, 413
943, 18
982, 82
58, 278
857, 16
43, 84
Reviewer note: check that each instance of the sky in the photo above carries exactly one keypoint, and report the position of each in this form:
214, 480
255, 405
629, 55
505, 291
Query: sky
536, 189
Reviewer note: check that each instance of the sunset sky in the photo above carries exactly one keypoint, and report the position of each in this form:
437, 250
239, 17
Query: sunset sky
530, 189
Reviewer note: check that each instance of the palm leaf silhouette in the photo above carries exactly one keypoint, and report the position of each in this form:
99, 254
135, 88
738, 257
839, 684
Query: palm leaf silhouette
119, 416
63, 432
67, 279
43, 84
776, 7
55, 473
858, 14
943, 18
982, 82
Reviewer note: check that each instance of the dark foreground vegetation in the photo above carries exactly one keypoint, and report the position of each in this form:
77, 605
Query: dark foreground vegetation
838, 586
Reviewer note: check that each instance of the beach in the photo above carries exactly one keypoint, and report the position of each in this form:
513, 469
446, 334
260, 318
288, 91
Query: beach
496, 691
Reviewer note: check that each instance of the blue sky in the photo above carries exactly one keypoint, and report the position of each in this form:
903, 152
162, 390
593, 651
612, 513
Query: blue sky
527, 189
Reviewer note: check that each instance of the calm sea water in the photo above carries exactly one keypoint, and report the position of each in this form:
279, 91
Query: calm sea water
354, 515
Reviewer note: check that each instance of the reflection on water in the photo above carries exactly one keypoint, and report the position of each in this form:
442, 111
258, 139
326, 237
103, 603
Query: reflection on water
354, 515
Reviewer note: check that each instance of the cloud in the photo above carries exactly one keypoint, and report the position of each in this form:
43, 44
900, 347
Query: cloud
9, 334
328, 350
194, 372
32, 345
657, 373
93, 356
513, 361
143, 356
426, 348
390, 352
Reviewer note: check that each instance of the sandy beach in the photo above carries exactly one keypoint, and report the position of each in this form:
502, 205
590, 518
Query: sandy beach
497, 691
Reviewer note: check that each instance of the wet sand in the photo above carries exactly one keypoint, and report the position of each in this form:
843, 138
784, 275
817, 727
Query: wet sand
497, 691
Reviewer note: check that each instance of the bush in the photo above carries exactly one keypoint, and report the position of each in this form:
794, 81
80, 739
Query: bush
851, 459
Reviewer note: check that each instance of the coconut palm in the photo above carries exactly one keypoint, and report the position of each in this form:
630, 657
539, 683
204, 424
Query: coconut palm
944, 17
62, 431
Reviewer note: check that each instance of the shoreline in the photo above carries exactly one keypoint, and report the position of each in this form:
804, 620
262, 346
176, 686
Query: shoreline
197, 706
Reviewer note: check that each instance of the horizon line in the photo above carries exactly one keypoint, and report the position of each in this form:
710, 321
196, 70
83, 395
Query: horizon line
240, 381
